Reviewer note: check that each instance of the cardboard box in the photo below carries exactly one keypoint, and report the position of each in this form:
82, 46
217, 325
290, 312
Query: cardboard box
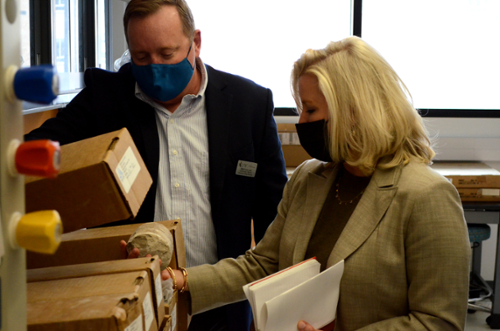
469, 174
167, 324
129, 284
101, 180
183, 317
102, 244
171, 311
150, 265
479, 194
293, 152
111, 313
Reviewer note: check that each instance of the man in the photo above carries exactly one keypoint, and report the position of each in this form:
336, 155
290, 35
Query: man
208, 139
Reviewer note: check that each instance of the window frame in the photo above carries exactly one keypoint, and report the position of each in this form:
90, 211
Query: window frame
41, 33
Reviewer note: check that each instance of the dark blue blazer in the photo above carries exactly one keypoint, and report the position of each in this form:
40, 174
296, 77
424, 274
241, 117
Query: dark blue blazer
240, 127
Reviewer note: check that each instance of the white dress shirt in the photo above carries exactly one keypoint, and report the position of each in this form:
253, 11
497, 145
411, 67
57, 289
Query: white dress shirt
183, 187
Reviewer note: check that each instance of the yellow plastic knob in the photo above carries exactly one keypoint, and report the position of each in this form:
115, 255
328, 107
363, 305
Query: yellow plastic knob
38, 231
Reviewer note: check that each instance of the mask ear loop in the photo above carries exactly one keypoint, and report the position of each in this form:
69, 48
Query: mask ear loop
189, 51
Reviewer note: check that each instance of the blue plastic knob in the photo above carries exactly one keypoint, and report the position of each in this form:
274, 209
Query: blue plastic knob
39, 84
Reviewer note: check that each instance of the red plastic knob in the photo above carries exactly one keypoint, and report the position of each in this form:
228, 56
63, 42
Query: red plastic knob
38, 158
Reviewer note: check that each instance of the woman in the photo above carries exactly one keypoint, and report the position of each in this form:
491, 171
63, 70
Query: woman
369, 198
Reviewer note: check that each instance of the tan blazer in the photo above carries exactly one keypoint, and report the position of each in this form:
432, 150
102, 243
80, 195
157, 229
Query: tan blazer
405, 247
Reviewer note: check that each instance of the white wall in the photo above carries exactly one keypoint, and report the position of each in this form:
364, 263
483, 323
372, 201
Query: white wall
118, 37
468, 139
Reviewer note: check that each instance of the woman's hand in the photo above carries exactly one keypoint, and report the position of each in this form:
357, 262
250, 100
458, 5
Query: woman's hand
134, 253
304, 326
178, 276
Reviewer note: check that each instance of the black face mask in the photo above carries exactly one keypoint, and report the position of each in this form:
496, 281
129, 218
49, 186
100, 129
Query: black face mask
314, 138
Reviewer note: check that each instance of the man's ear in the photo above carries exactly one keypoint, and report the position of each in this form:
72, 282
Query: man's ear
197, 42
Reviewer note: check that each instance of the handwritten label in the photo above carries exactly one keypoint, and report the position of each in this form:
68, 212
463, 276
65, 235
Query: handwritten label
128, 168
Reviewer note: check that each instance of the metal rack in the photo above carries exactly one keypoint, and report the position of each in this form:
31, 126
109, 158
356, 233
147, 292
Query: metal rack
38, 231
13, 265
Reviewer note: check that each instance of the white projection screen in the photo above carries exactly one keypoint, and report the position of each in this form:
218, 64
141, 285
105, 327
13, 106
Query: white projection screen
261, 39
446, 51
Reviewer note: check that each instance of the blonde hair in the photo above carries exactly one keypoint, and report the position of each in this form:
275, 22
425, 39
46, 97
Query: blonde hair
143, 8
372, 122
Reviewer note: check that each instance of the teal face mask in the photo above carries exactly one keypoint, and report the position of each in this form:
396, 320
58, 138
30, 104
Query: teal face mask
163, 81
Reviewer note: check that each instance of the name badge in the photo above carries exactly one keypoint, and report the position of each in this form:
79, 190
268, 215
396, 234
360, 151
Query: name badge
245, 168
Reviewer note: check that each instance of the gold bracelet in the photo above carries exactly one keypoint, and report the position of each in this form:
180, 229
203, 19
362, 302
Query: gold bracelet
171, 272
185, 274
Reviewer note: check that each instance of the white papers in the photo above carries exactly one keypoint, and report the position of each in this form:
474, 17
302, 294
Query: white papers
299, 292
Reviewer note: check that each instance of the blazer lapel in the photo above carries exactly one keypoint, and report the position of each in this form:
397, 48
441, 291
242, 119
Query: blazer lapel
142, 127
318, 186
145, 118
368, 213
218, 104
141, 121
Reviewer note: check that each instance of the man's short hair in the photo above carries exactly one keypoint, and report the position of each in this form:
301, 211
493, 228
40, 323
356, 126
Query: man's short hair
143, 8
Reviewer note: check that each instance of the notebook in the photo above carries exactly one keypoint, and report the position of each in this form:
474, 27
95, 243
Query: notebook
299, 292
